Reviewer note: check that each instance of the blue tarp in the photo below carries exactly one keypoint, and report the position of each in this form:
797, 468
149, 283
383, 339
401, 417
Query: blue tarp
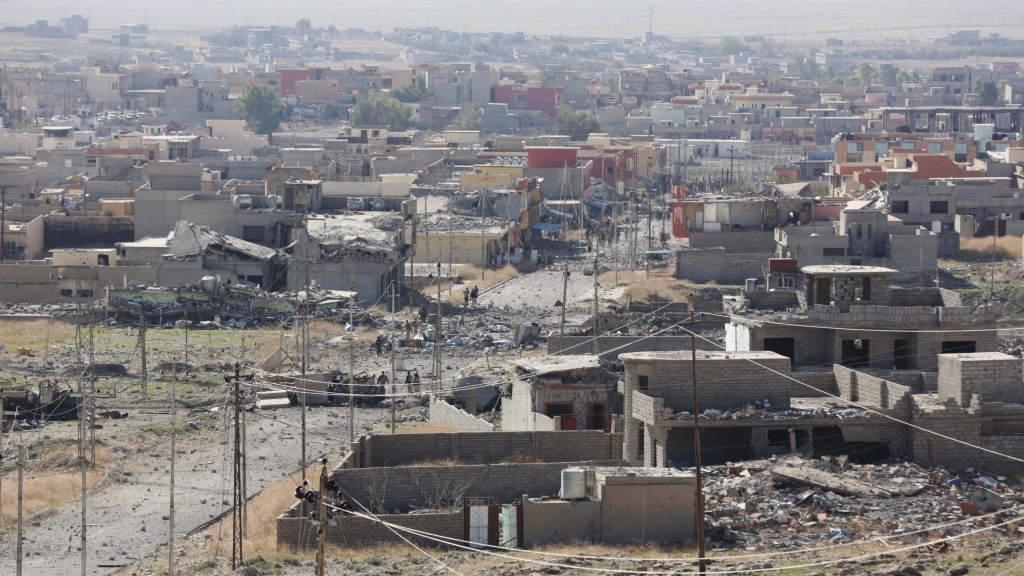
545, 227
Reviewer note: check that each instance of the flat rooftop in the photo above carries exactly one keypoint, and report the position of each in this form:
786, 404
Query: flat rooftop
549, 364
846, 270
702, 355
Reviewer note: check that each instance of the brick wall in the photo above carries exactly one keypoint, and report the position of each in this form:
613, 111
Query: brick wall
349, 531
491, 447
814, 384
444, 414
613, 346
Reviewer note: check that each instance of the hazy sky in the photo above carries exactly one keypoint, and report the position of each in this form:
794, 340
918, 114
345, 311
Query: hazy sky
676, 18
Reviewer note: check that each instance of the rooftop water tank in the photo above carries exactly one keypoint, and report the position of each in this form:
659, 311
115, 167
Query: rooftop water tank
751, 285
378, 204
937, 226
574, 484
272, 201
355, 203
242, 201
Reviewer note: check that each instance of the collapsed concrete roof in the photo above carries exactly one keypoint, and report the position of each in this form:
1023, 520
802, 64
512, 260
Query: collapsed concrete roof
190, 241
552, 364
370, 232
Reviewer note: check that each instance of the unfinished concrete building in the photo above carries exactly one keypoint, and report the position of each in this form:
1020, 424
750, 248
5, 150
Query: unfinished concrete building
853, 316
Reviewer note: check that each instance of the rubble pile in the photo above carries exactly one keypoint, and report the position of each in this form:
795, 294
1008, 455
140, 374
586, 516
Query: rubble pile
763, 410
793, 502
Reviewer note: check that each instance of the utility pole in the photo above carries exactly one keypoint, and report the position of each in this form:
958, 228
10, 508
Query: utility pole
142, 345
437, 335
236, 511
81, 421
21, 467
302, 388
92, 366
597, 313
174, 425
483, 240
3, 222
394, 387
321, 516
351, 396
565, 291
696, 440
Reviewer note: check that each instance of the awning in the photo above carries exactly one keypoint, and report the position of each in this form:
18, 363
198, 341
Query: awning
545, 227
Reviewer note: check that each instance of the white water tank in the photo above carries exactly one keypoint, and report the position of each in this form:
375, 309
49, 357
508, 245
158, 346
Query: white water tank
751, 284
209, 284
378, 205
242, 201
574, 484
355, 203
936, 226
272, 201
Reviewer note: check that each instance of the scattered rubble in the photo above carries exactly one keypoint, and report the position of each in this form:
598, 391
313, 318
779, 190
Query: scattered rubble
794, 502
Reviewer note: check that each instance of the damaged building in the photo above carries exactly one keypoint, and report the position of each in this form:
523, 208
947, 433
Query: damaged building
572, 392
194, 252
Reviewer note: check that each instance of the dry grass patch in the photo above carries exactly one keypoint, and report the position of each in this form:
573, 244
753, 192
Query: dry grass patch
980, 249
262, 512
644, 289
32, 333
51, 479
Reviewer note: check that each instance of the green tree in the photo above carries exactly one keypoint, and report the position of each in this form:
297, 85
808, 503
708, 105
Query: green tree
559, 48
904, 77
578, 125
480, 46
412, 92
732, 45
987, 92
469, 119
383, 110
304, 24
887, 74
259, 105
865, 73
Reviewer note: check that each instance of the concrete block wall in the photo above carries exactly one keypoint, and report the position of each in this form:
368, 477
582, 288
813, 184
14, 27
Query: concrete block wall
891, 398
448, 416
646, 408
777, 300
491, 447
612, 346
402, 487
996, 377
814, 384
350, 531
720, 266
722, 384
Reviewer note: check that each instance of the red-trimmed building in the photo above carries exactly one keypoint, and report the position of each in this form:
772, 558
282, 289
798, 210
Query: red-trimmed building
529, 97
292, 75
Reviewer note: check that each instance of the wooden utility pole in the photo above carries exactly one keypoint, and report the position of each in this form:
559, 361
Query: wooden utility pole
437, 335
302, 388
351, 395
321, 516
394, 387
236, 511
696, 440
21, 467
597, 313
565, 293
174, 426
483, 240
142, 346
81, 422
